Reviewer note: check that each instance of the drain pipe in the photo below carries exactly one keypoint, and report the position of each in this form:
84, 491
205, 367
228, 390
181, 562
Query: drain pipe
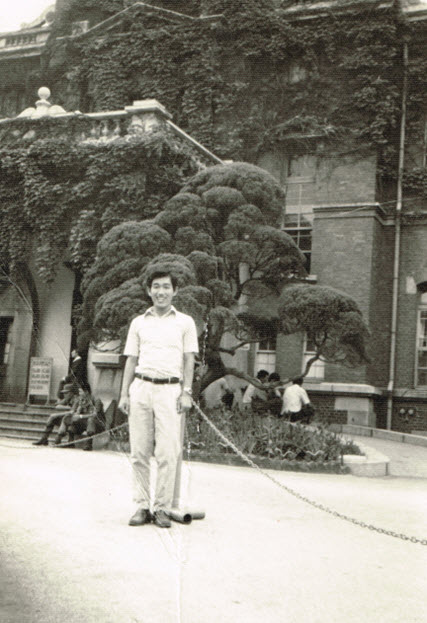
397, 236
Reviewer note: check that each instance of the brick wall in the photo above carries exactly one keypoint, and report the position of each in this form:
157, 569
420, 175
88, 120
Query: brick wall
380, 304
325, 412
345, 179
345, 257
405, 422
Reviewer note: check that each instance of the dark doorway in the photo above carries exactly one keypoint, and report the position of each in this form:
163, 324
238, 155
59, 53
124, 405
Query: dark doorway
5, 324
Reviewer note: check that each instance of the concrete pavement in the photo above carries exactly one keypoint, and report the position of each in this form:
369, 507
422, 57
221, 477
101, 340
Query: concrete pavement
406, 460
68, 554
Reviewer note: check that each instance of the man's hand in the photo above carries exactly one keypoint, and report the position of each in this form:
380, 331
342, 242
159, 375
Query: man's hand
184, 402
124, 404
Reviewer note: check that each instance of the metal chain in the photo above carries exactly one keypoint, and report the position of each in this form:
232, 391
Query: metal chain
69, 443
317, 505
249, 461
204, 343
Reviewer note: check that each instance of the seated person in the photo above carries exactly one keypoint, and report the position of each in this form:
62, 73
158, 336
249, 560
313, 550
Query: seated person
274, 395
71, 399
217, 393
81, 410
253, 396
295, 402
66, 392
89, 425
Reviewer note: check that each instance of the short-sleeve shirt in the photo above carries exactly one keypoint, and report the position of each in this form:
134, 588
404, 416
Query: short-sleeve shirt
253, 392
160, 342
294, 398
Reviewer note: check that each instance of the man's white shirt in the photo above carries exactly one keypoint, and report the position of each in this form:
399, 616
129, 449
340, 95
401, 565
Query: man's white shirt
160, 342
294, 398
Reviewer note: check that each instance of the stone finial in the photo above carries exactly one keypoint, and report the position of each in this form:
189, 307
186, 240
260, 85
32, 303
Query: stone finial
43, 107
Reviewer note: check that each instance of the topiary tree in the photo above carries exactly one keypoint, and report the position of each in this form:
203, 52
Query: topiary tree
331, 318
220, 236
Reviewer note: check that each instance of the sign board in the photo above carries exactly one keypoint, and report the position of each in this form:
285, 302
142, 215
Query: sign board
40, 377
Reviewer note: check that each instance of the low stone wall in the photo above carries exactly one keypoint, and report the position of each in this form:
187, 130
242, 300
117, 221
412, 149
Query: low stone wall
329, 467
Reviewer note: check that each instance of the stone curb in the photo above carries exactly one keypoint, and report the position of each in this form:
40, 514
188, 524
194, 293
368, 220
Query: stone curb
379, 433
372, 464
314, 467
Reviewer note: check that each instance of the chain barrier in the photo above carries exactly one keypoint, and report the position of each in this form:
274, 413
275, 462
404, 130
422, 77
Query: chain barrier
301, 497
65, 444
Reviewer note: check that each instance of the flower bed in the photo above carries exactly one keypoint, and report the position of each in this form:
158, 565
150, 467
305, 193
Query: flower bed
268, 441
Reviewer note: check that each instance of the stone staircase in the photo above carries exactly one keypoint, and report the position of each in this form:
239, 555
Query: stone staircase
22, 421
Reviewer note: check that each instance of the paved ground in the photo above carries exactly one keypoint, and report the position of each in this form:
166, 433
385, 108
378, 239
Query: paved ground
259, 555
406, 460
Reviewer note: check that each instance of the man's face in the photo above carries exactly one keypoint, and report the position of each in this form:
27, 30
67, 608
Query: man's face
162, 292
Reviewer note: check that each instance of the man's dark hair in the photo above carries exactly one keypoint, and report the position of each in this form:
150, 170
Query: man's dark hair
274, 376
298, 381
158, 274
262, 374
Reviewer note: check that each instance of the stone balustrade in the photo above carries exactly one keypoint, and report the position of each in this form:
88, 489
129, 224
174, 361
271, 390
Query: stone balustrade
142, 117
25, 43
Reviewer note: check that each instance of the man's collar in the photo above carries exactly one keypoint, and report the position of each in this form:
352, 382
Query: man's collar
151, 312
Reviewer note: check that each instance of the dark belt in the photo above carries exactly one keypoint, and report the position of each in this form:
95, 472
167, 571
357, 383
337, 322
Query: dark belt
168, 381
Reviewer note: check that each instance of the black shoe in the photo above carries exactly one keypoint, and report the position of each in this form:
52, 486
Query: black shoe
141, 517
40, 442
161, 519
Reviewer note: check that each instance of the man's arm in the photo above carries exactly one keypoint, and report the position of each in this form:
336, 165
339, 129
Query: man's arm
304, 397
128, 376
185, 400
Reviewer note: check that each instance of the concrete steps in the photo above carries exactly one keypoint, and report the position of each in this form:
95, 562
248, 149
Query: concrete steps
22, 421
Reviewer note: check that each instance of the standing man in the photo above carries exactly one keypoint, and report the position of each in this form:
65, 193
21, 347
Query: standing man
78, 370
295, 399
157, 380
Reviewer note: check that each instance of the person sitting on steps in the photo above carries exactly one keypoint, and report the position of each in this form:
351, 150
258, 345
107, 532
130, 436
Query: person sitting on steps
88, 425
71, 399
82, 409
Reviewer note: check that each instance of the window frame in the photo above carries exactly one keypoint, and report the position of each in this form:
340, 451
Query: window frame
420, 335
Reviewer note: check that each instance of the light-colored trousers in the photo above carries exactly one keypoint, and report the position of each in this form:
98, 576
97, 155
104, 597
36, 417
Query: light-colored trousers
154, 428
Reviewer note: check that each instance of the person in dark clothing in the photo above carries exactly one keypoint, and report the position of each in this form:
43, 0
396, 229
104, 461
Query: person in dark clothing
78, 370
70, 399
91, 424
67, 391
274, 396
75, 420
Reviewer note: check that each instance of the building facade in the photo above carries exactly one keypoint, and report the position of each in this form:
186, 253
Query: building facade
362, 232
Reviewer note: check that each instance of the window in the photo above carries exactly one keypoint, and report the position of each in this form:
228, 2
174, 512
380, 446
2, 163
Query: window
317, 370
300, 187
299, 227
421, 362
266, 355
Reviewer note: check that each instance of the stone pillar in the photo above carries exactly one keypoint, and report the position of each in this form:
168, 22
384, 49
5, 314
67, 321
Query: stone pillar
146, 116
352, 252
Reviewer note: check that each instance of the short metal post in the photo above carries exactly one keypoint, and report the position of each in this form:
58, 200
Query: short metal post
177, 514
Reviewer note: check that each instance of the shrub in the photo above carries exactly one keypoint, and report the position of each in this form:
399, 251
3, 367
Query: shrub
266, 436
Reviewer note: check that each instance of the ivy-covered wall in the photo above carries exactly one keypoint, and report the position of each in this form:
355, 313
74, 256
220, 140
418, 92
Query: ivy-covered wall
257, 78
254, 77
59, 194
